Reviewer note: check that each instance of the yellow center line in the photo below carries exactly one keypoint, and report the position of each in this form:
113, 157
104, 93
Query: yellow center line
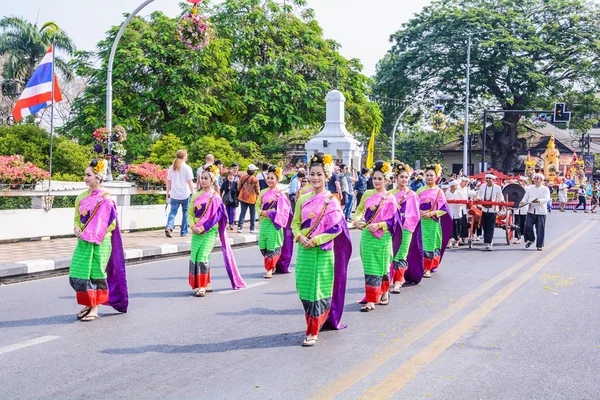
354, 375
409, 370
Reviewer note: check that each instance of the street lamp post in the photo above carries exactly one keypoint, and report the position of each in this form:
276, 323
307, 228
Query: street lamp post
466, 135
109, 90
440, 98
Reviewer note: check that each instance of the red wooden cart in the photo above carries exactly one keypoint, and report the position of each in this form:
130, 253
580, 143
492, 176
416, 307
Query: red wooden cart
504, 218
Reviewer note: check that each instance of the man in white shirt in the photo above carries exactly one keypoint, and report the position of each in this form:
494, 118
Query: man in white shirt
470, 194
562, 194
520, 215
537, 195
489, 192
180, 185
458, 211
210, 160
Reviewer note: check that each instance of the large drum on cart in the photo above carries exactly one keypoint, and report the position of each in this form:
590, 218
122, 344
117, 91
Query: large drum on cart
512, 193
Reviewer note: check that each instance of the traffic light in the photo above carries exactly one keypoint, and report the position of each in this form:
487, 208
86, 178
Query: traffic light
560, 113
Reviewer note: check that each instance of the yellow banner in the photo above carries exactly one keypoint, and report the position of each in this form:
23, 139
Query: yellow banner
371, 150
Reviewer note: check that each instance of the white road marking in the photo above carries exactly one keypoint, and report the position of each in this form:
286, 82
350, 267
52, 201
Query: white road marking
250, 286
27, 343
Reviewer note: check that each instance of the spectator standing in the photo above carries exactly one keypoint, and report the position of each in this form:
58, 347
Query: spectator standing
562, 194
209, 160
262, 177
595, 190
347, 178
180, 186
229, 194
219, 181
334, 184
248, 190
344, 183
417, 183
360, 187
295, 186
235, 170
581, 193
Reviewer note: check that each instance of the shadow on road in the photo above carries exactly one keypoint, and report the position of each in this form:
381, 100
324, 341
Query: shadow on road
53, 320
259, 342
291, 292
263, 311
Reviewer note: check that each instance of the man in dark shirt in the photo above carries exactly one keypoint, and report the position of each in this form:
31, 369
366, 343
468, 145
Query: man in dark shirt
360, 187
334, 183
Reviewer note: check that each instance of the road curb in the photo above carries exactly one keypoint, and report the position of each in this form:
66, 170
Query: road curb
132, 255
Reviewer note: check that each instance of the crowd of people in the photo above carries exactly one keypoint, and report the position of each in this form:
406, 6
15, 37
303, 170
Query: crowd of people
407, 221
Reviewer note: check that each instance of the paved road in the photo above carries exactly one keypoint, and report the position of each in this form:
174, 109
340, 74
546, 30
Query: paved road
512, 324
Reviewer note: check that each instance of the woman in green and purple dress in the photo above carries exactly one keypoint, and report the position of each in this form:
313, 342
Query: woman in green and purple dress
408, 246
323, 252
376, 217
275, 238
436, 222
209, 219
97, 272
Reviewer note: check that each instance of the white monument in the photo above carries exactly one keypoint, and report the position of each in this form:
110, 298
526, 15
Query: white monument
334, 139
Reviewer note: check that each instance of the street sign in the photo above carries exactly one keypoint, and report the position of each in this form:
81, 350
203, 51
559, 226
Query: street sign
560, 113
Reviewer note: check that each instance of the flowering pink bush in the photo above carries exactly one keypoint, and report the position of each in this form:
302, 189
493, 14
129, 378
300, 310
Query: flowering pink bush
194, 31
14, 170
147, 173
100, 134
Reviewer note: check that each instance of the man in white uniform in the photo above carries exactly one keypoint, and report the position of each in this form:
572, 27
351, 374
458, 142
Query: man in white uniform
458, 211
537, 195
489, 192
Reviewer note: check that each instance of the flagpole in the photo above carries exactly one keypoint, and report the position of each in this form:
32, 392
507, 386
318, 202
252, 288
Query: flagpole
51, 122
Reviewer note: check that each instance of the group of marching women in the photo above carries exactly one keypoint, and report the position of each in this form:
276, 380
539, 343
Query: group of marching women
403, 238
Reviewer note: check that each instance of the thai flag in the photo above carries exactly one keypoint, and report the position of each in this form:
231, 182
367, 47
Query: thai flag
38, 92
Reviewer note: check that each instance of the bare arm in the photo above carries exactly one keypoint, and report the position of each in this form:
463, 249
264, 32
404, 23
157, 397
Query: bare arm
168, 188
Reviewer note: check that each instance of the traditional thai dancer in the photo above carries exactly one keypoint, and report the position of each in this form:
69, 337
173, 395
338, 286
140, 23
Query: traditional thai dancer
97, 270
275, 239
209, 219
436, 222
323, 253
376, 218
408, 246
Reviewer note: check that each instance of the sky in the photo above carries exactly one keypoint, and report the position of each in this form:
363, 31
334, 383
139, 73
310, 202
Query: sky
362, 27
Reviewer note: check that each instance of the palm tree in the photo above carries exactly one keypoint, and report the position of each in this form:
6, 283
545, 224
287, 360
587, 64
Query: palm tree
25, 44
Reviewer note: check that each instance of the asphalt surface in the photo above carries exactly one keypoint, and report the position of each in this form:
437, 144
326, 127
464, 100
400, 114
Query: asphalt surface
510, 324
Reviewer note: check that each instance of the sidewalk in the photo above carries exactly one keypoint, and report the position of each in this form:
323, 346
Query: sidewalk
38, 256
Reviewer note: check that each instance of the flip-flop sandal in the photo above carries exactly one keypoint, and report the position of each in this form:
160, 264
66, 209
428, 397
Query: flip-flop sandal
90, 318
309, 342
209, 289
84, 312
201, 293
384, 302
367, 308
396, 291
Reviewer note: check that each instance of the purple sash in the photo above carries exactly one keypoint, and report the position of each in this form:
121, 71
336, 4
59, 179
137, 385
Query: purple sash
94, 232
434, 200
410, 219
210, 209
281, 214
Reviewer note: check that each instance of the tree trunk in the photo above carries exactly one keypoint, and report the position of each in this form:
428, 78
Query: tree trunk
504, 145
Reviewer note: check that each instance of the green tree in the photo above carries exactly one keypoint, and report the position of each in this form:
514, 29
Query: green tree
159, 86
33, 143
538, 49
218, 147
25, 44
163, 151
264, 76
285, 67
